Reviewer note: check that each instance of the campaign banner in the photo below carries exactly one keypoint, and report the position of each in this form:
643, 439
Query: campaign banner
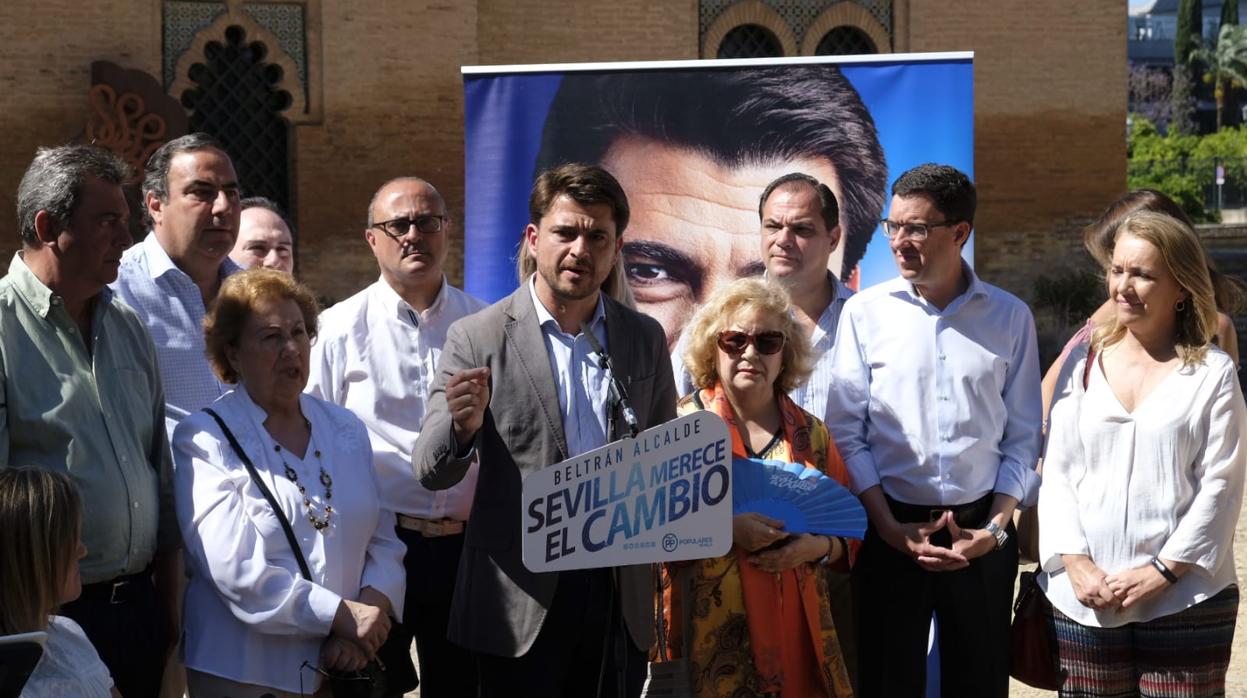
694, 143
665, 495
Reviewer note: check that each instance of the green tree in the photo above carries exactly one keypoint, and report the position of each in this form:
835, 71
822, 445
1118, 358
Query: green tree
1229, 18
1186, 39
1161, 163
1229, 14
1226, 64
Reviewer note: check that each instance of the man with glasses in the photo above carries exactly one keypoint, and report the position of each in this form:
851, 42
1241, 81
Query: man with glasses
192, 201
376, 355
935, 408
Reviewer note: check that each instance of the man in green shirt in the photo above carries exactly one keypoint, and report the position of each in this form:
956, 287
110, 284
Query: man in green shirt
80, 393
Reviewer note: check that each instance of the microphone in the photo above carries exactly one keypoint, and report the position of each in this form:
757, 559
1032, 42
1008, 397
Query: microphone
618, 394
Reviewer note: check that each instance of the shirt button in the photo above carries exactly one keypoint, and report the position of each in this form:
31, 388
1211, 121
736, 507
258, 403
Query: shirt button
136, 505
942, 357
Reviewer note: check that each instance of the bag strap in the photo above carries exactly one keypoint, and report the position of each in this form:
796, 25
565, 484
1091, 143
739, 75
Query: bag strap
268, 496
1086, 371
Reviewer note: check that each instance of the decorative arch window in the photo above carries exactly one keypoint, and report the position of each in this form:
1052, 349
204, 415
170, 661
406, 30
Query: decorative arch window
845, 41
750, 41
235, 96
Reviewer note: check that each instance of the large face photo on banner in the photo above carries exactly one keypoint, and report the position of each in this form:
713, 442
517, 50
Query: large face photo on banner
694, 143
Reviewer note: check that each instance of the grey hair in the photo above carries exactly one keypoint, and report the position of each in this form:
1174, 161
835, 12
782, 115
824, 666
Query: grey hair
156, 173
54, 180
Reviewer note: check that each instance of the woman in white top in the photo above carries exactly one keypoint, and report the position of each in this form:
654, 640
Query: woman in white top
253, 624
1143, 480
40, 546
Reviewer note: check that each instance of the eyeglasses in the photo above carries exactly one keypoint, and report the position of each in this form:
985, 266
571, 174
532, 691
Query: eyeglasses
355, 683
733, 342
399, 227
916, 231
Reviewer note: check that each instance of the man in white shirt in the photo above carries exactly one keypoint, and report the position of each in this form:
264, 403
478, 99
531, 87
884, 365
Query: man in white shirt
376, 354
935, 407
191, 195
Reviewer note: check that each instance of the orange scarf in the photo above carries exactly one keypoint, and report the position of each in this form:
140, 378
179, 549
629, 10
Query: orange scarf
762, 590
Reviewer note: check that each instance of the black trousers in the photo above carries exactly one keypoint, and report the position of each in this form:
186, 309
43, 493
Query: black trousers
582, 651
127, 629
894, 600
446, 669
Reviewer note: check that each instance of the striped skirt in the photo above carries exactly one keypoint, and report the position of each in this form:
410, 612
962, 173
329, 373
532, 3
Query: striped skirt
1183, 655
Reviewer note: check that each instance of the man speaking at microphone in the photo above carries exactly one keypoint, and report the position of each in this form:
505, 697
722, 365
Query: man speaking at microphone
521, 385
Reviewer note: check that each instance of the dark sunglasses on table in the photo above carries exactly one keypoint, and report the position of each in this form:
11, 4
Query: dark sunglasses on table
735, 342
398, 227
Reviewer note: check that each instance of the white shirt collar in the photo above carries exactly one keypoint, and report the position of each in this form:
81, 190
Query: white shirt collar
544, 316
388, 297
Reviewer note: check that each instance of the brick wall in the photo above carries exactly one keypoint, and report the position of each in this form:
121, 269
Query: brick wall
1049, 101
1050, 113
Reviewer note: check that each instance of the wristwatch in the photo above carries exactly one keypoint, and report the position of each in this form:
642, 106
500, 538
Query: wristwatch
1000, 536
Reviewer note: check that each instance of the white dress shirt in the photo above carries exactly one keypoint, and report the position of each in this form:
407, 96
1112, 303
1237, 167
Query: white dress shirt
377, 356
583, 386
1165, 480
811, 395
172, 308
249, 614
939, 407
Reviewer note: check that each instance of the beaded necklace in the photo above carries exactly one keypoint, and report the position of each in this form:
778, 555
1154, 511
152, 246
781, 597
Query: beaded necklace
326, 481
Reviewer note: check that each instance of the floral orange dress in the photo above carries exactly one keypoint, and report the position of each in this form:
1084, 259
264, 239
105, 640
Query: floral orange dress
746, 632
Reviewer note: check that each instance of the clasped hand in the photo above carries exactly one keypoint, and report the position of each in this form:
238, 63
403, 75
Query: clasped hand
1095, 588
359, 629
915, 540
753, 532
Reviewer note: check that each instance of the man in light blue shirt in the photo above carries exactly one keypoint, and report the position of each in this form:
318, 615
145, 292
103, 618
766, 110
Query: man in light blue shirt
935, 408
521, 386
191, 195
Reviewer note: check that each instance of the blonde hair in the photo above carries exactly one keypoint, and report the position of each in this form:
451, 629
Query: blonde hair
236, 301
1184, 257
751, 295
40, 525
615, 285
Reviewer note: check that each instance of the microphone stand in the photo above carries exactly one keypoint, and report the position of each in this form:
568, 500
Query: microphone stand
618, 398
618, 394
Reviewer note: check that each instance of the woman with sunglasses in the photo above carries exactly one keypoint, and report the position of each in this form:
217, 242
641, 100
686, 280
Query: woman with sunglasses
757, 620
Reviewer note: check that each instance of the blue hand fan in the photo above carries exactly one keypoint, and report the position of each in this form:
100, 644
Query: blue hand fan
805, 499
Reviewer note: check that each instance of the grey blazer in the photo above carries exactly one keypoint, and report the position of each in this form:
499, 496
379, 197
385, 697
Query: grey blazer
499, 605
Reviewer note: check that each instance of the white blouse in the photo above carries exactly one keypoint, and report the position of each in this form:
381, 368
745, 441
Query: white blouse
249, 615
70, 666
1165, 480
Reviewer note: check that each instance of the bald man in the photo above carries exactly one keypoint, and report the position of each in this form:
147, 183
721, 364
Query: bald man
376, 355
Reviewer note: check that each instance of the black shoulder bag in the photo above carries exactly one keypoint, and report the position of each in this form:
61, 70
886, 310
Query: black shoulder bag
392, 673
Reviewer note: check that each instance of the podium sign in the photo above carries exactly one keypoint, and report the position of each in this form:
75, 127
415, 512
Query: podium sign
665, 495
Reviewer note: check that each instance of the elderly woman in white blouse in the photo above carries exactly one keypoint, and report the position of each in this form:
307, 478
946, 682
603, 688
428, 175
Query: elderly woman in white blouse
1142, 482
254, 625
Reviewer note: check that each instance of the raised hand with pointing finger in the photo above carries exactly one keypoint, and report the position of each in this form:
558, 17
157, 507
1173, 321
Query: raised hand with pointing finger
467, 396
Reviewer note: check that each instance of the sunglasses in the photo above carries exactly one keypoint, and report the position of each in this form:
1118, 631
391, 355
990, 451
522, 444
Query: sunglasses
734, 342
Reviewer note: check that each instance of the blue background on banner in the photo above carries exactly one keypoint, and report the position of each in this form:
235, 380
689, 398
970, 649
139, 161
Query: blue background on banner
923, 110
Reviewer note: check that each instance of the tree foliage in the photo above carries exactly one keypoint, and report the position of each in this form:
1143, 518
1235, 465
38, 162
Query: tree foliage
1184, 166
1186, 39
1225, 63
